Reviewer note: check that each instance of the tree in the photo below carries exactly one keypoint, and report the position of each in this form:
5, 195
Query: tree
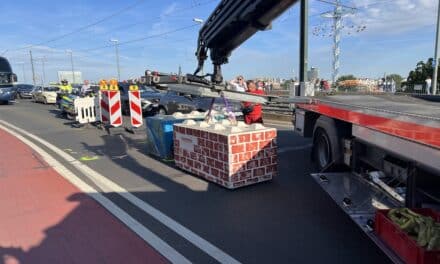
421, 72
395, 77
346, 77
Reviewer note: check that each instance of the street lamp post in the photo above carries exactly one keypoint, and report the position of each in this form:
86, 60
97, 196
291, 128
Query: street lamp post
116, 42
43, 60
71, 63
198, 20
32, 65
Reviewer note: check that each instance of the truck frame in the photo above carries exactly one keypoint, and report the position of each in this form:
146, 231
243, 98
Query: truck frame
374, 152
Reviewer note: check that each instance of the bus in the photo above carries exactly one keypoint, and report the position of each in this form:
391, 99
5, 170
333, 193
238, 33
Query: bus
7, 79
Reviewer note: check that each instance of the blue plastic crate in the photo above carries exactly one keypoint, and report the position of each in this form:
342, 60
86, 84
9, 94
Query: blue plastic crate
160, 134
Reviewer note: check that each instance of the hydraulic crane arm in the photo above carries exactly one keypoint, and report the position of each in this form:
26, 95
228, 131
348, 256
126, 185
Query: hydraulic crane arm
231, 24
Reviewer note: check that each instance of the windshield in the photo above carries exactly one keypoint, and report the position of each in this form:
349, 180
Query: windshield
25, 87
51, 89
147, 89
5, 66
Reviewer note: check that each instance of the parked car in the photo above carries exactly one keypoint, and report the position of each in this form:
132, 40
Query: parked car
76, 88
46, 95
7, 78
24, 91
172, 102
148, 94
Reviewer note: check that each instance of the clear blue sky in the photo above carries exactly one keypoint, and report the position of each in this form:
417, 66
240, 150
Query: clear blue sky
398, 34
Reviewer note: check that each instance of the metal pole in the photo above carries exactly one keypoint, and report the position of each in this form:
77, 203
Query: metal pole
117, 60
437, 40
304, 39
337, 24
32, 64
44, 72
24, 74
73, 71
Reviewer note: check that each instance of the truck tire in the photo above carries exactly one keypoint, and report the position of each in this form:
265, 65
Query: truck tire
327, 142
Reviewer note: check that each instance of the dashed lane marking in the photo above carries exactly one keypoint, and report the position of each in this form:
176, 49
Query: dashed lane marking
109, 186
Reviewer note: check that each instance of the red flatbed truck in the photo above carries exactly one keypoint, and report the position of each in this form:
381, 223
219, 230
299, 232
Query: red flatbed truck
374, 152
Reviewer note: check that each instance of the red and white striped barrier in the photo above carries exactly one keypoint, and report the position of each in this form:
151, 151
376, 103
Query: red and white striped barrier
103, 102
110, 102
115, 108
134, 97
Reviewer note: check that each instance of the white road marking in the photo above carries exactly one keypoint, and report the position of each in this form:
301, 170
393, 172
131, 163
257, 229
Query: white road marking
158, 244
109, 186
288, 149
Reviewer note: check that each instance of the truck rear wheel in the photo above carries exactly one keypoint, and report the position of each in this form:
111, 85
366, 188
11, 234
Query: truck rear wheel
327, 142
322, 148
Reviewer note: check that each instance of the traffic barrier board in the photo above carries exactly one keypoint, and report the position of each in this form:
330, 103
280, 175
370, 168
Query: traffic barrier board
86, 110
114, 99
134, 97
104, 106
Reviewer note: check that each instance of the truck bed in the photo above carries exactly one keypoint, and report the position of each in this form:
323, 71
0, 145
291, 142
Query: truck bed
403, 116
400, 107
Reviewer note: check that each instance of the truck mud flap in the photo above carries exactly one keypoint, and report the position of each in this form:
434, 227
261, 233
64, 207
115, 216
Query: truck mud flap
360, 200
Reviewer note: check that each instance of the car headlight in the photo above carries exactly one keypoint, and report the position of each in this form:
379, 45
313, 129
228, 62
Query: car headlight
145, 102
5, 91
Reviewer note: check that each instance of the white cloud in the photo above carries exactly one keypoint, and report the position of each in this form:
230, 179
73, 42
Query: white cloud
394, 17
162, 25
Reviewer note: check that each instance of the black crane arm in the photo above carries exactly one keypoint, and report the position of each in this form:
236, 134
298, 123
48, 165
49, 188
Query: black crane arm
232, 23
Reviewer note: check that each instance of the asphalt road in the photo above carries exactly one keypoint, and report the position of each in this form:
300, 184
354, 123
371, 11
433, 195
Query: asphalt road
287, 220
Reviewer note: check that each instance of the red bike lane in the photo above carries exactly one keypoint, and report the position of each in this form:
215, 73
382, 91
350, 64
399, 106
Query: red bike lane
46, 219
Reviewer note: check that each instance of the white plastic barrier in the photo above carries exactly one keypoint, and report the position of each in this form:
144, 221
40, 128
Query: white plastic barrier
87, 110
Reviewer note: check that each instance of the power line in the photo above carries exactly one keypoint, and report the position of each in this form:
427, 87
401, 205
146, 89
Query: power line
143, 38
183, 9
333, 3
86, 26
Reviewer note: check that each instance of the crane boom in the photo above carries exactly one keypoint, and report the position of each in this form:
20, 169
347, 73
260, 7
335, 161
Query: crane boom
232, 23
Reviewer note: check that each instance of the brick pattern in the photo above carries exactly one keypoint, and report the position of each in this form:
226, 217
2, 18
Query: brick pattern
233, 161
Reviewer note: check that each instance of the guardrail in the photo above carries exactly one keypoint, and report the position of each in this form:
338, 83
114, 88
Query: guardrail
417, 89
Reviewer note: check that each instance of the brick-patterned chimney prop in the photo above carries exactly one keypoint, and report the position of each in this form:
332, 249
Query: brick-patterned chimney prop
230, 155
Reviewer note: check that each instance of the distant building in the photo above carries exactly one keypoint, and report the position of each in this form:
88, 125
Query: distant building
361, 84
313, 74
67, 75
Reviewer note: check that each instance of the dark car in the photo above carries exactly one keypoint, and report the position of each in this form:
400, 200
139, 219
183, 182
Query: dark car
173, 102
24, 91
148, 95
7, 78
